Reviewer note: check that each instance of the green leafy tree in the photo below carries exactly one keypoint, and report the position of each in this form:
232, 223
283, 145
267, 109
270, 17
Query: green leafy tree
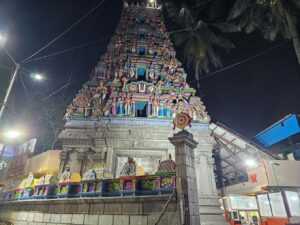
198, 29
271, 17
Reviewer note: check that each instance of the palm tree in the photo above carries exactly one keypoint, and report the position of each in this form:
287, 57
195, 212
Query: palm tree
271, 17
199, 34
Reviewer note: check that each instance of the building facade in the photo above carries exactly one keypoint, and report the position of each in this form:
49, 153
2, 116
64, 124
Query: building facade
127, 107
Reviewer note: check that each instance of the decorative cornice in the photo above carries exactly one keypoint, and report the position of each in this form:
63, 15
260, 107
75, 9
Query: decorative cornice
127, 121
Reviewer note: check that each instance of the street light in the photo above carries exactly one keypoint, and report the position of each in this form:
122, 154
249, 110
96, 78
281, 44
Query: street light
2, 39
14, 76
12, 134
250, 163
37, 76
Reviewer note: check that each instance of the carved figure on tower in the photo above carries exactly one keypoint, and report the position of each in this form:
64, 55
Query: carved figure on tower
139, 72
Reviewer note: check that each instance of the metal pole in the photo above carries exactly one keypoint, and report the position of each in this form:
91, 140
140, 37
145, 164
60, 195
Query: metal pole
11, 83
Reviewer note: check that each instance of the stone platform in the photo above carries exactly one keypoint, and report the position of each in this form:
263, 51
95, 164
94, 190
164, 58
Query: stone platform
108, 211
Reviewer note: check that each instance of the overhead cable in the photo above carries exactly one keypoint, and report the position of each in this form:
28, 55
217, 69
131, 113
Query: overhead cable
68, 29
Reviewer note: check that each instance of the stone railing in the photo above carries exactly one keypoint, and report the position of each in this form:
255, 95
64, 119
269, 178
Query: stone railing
119, 187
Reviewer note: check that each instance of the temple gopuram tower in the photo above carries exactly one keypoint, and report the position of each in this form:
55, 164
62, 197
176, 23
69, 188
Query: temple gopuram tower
127, 107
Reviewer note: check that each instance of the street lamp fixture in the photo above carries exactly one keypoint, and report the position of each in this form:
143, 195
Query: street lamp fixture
12, 134
250, 163
37, 76
14, 76
2, 39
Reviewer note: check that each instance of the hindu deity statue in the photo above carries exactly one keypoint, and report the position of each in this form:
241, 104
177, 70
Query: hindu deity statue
129, 168
114, 107
155, 106
120, 106
66, 176
127, 105
139, 68
167, 165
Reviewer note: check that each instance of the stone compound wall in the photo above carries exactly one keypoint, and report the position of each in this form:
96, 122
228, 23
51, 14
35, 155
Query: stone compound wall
103, 138
112, 211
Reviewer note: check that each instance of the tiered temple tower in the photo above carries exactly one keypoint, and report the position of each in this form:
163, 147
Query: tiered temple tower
127, 107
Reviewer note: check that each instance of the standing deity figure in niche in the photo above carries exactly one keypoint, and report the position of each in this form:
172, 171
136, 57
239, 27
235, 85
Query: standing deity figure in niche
127, 105
66, 176
132, 72
159, 84
102, 90
175, 110
120, 107
124, 82
168, 109
129, 168
30, 180
114, 107
161, 109
155, 106
106, 109
69, 113
194, 114
96, 112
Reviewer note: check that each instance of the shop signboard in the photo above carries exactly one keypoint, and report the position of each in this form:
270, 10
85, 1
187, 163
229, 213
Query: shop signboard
240, 202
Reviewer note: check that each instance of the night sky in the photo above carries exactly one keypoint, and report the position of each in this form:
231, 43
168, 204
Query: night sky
247, 98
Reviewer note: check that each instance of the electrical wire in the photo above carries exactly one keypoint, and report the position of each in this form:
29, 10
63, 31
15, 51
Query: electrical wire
66, 50
23, 84
243, 61
67, 30
55, 92
88, 30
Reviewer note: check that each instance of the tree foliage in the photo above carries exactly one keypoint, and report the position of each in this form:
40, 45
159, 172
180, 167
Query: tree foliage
197, 27
271, 17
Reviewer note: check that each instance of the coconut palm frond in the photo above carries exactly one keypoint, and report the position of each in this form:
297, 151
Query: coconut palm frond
224, 43
227, 27
214, 57
186, 16
238, 8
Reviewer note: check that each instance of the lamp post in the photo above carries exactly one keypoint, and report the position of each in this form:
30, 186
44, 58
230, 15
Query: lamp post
13, 78
11, 83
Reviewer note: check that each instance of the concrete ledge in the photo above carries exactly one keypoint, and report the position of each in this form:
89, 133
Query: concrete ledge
99, 206
108, 211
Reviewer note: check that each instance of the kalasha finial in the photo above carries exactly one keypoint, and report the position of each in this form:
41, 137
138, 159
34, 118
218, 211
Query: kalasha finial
182, 121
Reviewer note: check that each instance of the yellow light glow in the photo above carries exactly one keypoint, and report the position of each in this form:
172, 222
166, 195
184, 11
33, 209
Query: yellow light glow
12, 134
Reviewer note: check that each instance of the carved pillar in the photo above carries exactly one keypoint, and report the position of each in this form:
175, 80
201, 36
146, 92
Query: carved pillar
63, 161
80, 159
208, 198
186, 177
109, 158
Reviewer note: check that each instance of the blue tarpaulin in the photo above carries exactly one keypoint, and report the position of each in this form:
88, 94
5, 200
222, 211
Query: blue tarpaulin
281, 130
